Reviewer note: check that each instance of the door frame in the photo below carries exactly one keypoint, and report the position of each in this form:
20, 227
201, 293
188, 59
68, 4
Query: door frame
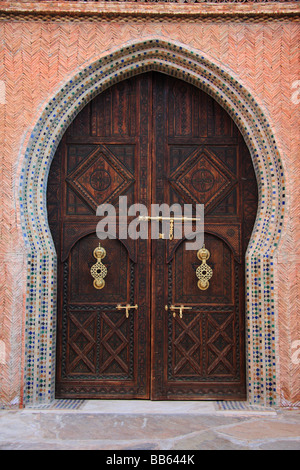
40, 145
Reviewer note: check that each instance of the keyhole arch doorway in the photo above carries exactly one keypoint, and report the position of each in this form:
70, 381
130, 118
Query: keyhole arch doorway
190, 65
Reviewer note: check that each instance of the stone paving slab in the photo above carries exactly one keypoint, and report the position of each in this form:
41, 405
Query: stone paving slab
90, 428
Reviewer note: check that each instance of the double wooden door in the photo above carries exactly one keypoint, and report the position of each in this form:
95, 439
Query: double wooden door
154, 139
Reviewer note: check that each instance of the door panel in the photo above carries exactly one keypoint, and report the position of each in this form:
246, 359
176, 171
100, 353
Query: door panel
89, 315
117, 280
103, 155
199, 158
184, 265
202, 355
154, 139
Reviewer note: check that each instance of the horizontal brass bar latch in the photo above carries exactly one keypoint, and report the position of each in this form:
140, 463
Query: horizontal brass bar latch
173, 309
148, 217
171, 219
127, 308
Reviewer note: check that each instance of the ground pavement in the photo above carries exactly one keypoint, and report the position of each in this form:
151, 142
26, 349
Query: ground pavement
141, 425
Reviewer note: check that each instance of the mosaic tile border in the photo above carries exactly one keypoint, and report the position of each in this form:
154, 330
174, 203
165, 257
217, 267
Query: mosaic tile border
196, 68
59, 405
239, 406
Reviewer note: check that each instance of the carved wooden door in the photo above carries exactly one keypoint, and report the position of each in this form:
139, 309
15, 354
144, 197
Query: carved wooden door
153, 139
200, 158
103, 155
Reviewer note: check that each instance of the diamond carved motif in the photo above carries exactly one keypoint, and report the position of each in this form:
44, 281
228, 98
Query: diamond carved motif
81, 344
113, 344
100, 177
220, 344
187, 346
203, 179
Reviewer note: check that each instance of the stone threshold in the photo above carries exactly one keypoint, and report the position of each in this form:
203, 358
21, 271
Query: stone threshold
146, 407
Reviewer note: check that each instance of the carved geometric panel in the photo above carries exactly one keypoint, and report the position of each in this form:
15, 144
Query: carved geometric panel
220, 341
100, 178
202, 179
203, 347
98, 344
187, 346
114, 348
81, 344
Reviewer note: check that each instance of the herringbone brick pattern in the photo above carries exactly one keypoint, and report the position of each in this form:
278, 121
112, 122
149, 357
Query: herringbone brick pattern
38, 56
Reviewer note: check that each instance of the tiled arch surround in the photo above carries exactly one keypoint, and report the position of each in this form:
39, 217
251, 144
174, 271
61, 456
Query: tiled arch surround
196, 68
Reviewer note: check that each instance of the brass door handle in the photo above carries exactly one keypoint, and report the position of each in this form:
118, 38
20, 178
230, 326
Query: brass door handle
127, 308
98, 270
173, 309
203, 272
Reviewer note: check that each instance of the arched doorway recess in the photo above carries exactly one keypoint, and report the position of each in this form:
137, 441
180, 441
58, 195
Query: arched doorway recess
176, 60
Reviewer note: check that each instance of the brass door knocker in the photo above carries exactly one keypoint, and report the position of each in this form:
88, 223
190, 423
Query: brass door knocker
203, 272
98, 270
